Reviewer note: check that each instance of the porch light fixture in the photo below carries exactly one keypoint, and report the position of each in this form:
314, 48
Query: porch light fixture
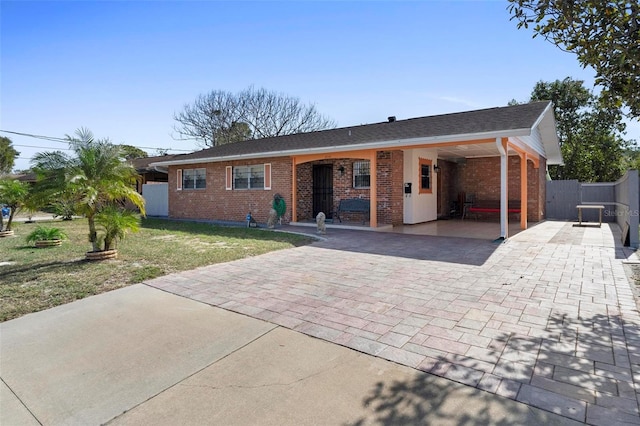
436, 168
341, 169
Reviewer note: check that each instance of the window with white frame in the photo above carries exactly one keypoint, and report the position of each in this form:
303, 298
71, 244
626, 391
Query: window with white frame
425, 177
194, 179
248, 177
361, 174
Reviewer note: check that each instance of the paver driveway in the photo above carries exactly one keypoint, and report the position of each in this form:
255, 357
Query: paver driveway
547, 318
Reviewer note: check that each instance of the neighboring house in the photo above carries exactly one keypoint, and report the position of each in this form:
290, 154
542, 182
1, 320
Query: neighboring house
28, 177
412, 170
148, 173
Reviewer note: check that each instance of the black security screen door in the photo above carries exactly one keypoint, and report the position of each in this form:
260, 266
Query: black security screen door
323, 190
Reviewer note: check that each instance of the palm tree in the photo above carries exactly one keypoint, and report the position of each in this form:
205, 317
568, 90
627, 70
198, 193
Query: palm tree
13, 194
115, 223
96, 176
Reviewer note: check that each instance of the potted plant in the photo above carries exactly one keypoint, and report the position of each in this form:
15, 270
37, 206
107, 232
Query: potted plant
94, 175
113, 224
46, 237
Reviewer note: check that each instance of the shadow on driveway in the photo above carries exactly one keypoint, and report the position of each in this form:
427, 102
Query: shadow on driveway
467, 251
581, 369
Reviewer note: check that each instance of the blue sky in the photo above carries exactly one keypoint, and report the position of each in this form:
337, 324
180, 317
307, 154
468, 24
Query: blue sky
123, 68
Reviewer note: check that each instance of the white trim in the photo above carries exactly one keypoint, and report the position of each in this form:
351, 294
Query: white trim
179, 180
524, 145
549, 136
267, 176
541, 116
504, 200
228, 178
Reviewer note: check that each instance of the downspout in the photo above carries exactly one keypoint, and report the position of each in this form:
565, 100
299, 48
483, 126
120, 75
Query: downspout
501, 143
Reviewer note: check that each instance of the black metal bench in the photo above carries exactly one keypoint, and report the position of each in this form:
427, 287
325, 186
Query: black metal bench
353, 205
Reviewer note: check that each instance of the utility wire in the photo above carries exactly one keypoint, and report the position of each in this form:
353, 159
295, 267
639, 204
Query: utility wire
47, 138
66, 141
41, 147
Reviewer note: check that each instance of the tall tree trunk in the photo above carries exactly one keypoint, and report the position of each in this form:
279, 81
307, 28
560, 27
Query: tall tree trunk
8, 228
93, 234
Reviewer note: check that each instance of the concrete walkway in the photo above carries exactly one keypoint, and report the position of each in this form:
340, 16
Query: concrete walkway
141, 356
540, 330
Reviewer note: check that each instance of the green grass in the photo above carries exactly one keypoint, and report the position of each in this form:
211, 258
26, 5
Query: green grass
37, 279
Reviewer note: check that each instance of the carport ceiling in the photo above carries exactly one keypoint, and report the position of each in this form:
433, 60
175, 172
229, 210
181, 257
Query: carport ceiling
468, 151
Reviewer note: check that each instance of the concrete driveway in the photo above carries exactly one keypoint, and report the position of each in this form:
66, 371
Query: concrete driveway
139, 356
412, 330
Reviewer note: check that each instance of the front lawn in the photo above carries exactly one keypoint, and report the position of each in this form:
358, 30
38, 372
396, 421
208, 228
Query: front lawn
34, 279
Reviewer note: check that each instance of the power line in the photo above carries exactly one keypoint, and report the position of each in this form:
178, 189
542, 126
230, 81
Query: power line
66, 141
47, 138
41, 147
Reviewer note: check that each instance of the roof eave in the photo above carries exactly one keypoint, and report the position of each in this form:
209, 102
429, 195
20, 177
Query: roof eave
549, 135
387, 144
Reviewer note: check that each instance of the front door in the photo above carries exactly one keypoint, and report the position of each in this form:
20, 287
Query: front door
323, 190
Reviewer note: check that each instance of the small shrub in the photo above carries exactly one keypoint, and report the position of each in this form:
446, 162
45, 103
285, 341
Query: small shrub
115, 223
42, 233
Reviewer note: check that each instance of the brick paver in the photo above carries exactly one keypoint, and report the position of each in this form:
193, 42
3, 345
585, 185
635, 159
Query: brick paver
547, 318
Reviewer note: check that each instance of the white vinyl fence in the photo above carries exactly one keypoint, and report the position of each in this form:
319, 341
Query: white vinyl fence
156, 198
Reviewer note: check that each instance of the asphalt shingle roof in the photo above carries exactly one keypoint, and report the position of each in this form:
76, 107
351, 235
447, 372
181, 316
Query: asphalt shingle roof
470, 122
142, 164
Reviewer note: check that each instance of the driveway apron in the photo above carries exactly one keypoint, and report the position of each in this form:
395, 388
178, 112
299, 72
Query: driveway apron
547, 318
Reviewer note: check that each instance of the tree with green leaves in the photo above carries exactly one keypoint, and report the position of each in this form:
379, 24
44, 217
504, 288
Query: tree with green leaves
8, 155
130, 152
220, 117
632, 158
13, 194
235, 132
589, 132
96, 175
603, 34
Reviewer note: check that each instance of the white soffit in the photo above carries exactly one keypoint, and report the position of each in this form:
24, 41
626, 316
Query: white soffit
550, 140
546, 125
468, 151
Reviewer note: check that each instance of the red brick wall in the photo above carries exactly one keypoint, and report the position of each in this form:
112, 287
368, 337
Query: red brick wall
304, 188
342, 187
216, 203
398, 188
389, 187
481, 177
385, 189
447, 192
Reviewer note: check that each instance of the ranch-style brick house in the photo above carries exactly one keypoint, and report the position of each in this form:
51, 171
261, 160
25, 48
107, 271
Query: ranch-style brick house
411, 171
